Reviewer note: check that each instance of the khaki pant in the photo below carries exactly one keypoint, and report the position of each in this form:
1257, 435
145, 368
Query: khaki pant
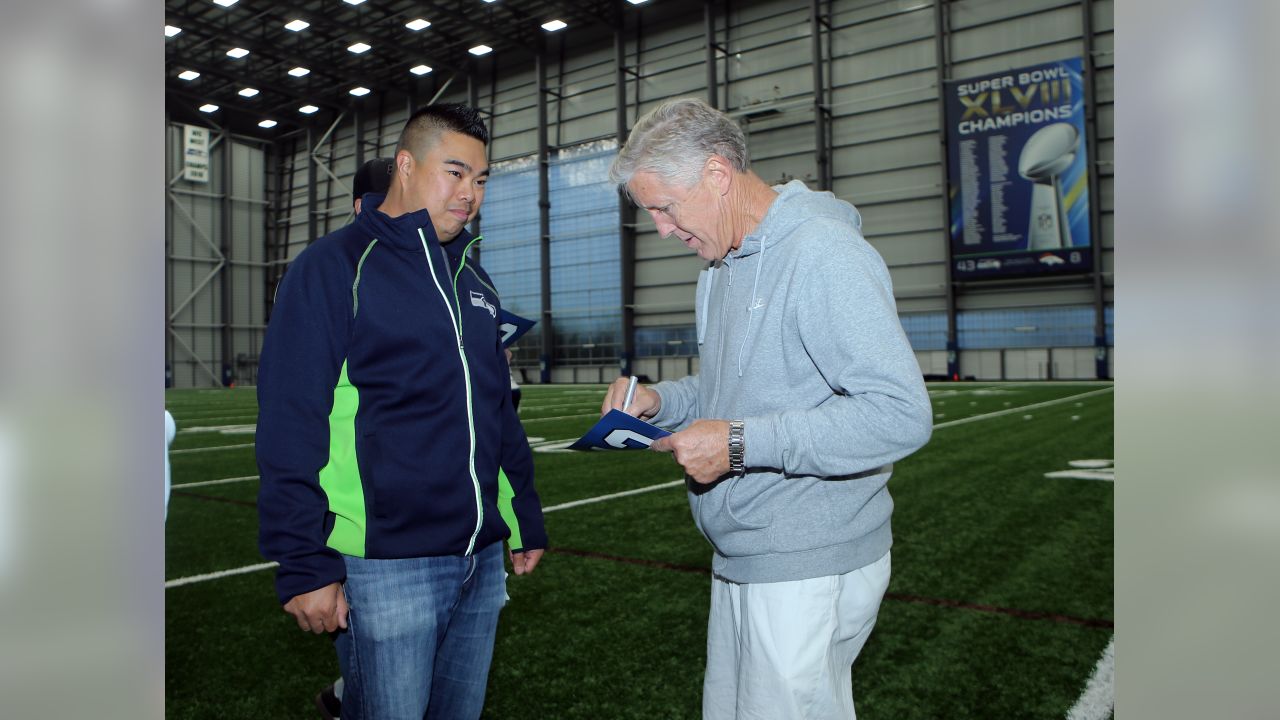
783, 651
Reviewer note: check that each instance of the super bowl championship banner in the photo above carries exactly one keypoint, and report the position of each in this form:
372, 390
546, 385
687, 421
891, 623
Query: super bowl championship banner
1018, 172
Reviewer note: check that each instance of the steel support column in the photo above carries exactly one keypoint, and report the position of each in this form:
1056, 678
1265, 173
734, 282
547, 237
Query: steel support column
312, 205
473, 99
942, 28
1095, 198
168, 252
271, 183
816, 21
225, 248
626, 209
359, 123
278, 249
709, 20
544, 216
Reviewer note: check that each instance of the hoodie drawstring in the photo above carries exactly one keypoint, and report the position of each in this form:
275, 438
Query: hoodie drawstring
752, 306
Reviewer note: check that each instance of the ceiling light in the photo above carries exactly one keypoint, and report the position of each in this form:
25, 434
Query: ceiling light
248, 92
359, 48
208, 108
637, 2
297, 25
353, 2
420, 69
299, 71
419, 24
489, 1
188, 75
267, 124
480, 50
554, 25
307, 109
237, 52
225, 3
170, 31
359, 91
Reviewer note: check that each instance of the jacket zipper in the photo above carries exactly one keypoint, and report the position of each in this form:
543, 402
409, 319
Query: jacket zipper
466, 372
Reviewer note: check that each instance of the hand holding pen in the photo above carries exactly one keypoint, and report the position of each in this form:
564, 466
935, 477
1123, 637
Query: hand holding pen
627, 395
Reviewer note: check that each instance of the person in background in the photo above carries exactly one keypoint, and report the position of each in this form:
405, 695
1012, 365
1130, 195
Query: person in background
807, 394
372, 177
392, 462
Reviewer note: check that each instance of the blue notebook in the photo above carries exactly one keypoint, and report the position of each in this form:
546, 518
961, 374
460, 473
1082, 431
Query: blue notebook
619, 431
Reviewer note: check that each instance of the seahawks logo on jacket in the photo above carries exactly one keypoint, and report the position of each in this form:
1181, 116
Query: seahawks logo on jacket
479, 300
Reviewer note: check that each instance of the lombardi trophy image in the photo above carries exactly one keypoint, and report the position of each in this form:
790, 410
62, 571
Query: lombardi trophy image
1047, 154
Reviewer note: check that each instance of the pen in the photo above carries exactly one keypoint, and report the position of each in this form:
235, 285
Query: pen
631, 393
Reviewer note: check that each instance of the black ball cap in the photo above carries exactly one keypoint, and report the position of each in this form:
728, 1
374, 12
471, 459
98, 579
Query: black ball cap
374, 176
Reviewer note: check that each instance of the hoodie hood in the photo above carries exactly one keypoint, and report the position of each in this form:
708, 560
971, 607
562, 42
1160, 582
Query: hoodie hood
794, 205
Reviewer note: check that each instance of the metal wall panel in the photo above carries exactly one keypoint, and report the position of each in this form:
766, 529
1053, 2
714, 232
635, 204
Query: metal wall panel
911, 183
888, 155
199, 275
884, 149
982, 364
876, 124
983, 12
898, 216
932, 362
1029, 364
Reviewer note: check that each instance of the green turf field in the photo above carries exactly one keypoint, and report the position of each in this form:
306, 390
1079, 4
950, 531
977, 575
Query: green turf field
1001, 603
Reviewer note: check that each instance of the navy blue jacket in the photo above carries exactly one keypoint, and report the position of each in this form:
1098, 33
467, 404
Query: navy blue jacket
385, 423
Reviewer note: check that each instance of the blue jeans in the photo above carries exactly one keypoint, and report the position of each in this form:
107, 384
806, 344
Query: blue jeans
419, 638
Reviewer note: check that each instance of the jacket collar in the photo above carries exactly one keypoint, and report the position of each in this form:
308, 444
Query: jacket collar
402, 231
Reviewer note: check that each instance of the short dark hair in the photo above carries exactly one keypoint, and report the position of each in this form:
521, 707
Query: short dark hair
427, 124
373, 176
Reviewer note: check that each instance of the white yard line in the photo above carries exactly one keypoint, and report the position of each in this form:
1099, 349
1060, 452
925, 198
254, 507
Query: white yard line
602, 498
265, 566
1108, 475
1099, 699
1026, 383
187, 422
210, 449
1020, 408
223, 481
191, 579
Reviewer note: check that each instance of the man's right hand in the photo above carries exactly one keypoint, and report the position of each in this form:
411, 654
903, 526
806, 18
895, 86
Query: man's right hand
644, 405
320, 611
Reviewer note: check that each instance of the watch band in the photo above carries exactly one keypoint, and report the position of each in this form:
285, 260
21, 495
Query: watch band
737, 448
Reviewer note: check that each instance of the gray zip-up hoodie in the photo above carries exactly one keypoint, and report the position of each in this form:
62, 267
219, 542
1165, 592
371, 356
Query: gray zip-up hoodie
799, 337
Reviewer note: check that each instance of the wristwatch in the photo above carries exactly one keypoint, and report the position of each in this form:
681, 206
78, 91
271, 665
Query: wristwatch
737, 449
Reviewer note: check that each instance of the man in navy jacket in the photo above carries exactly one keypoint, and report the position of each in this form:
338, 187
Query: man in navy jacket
392, 461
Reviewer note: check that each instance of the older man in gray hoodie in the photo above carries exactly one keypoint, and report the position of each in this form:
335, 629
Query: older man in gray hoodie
808, 392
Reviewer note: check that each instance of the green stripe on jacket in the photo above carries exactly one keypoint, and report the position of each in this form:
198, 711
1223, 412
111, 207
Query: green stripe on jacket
505, 509
340, 477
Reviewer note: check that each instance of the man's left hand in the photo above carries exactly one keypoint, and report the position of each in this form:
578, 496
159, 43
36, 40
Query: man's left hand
524, 562
702, 449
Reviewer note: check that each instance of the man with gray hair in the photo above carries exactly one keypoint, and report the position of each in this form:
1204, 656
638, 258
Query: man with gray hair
808, 392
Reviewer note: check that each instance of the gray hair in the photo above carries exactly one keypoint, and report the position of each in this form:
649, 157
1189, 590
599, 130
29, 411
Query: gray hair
674, 140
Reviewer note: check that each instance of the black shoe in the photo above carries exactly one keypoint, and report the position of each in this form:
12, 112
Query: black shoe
328, 704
